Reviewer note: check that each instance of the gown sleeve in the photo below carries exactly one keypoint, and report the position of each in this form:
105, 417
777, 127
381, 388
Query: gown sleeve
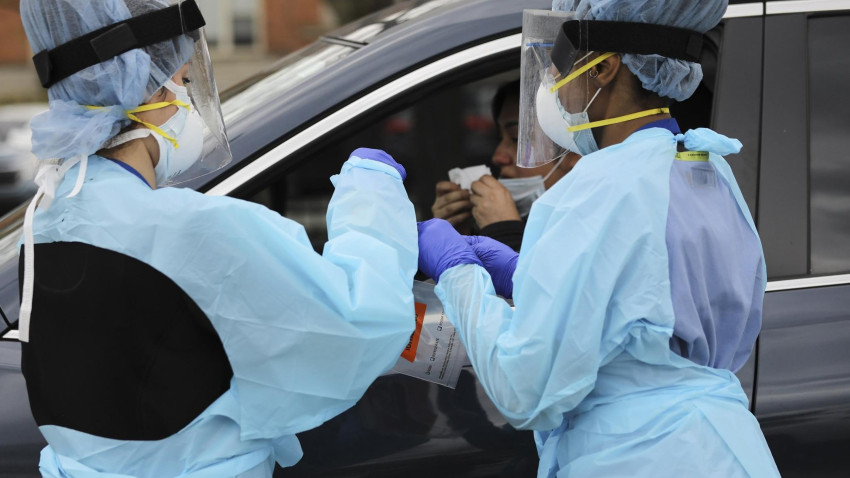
307, 333
591, 277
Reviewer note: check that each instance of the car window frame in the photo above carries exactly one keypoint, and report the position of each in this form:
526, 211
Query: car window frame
820, 231
508, 42
363, 105
787, 239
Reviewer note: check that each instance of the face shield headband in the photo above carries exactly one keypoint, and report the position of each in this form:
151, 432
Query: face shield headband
622, 37
110, 41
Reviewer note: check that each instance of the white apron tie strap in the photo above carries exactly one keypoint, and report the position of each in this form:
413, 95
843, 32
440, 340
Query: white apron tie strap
48, 178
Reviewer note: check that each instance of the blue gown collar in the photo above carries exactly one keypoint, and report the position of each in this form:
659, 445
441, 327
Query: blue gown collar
131, 169
669, 124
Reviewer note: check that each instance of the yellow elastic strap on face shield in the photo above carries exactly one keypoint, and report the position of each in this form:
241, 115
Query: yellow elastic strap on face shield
131, 114
572, 76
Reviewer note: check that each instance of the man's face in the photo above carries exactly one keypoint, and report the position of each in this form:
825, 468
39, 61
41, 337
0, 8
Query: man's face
505, 154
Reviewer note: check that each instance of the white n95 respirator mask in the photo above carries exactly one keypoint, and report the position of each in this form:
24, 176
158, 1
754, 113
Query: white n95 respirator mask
180, 139
556, 122
187, 128
551, 119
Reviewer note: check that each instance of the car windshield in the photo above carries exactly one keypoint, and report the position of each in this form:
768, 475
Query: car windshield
367, 28
297, 67
288, 72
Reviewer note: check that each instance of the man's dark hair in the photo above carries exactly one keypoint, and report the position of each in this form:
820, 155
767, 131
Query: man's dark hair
507, 89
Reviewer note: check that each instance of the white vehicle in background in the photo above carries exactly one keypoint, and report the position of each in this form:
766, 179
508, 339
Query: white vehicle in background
17, 163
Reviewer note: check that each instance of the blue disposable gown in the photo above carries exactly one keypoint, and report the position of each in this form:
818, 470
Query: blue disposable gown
586, 358
305, 333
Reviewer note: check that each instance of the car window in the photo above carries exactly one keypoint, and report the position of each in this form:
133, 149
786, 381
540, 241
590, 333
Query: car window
829, 133
447, 128
452, 127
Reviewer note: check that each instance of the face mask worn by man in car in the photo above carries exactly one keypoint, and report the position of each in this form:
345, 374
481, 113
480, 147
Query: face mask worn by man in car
524, 191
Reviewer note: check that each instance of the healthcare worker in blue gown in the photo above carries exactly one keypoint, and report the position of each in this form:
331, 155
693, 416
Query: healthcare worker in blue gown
638, 289
167, 333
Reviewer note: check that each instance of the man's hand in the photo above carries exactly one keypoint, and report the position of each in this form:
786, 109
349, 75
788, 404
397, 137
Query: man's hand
453, 205
492, 202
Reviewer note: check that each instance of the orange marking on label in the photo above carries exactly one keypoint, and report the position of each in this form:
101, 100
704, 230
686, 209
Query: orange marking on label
409, 353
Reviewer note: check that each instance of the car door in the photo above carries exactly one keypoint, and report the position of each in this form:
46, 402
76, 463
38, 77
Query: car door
803, 382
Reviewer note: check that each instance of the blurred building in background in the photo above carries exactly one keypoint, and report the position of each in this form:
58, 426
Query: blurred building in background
244, 36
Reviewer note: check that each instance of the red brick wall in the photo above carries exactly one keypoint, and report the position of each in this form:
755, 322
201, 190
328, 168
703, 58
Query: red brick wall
13, 42
291, 24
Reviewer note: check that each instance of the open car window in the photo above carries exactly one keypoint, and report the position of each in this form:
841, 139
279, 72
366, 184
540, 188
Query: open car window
447, 125
451, 127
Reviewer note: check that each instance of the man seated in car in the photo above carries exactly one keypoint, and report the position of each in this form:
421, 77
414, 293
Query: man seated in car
493, 207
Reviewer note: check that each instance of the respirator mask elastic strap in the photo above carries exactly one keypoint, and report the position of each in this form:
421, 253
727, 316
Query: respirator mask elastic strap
131, 115
620, 119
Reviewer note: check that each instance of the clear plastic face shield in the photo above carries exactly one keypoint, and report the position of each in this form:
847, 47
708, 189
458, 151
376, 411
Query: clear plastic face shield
540, 142
193, 141
203, 93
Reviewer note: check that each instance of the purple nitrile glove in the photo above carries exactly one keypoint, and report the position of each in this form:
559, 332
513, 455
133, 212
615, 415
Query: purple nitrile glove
381, 157
442, 247
499, 260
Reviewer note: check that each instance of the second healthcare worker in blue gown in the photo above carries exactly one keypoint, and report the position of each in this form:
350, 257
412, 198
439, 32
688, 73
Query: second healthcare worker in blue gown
171, 334
638, 290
